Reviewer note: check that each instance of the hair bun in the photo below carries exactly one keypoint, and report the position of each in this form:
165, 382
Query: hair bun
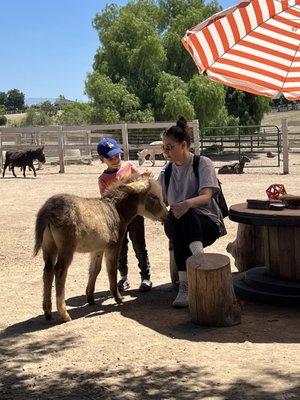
182, 123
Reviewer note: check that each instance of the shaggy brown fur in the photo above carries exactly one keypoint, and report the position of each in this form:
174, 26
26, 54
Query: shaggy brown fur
66, 224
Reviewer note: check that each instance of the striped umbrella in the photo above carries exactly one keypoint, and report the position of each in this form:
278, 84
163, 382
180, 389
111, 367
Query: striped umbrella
253, 46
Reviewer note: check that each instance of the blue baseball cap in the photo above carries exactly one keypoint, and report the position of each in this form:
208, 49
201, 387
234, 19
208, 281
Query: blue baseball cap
108, 148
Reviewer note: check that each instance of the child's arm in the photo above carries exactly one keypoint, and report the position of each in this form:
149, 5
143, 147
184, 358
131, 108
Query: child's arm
102, 186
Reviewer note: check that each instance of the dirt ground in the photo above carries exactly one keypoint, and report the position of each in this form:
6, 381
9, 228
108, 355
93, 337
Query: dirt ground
144, 349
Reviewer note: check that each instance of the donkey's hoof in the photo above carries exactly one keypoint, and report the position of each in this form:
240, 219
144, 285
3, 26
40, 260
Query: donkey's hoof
119, 300
48, 316
66, 318
90, 299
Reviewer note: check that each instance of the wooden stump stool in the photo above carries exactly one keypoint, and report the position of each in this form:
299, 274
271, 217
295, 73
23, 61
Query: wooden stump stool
212, 300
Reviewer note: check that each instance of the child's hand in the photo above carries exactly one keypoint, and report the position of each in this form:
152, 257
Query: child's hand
147, 174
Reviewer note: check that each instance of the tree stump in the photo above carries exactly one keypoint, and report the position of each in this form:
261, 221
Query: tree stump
248, 248
212, 300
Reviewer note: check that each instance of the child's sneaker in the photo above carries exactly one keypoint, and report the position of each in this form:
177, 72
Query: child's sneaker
145, 286
123, 284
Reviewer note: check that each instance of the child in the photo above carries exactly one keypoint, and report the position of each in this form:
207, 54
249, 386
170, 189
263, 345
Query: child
110, 152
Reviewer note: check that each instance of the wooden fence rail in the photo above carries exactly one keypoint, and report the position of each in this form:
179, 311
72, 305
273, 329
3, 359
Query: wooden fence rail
61, 141
57, 140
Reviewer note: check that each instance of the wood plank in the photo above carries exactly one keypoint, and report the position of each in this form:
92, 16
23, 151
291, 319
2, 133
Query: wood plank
286, 252
297, 252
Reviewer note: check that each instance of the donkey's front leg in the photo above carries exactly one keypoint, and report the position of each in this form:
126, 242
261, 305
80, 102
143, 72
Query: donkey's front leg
152, 159
95, 268
33, 169
112, 255
13, 171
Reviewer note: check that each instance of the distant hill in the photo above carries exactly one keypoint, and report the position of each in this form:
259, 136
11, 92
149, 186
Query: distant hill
30, 101
275, 118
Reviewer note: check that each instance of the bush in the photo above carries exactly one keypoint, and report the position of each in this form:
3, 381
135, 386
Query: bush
3, 120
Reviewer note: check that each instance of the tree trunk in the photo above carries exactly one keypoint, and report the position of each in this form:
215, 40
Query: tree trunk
212, 300
248, 247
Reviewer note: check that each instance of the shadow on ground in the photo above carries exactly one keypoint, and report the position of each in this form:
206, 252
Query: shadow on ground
260, 323
183, 382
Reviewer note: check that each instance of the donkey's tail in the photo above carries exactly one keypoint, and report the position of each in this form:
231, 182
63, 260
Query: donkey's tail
40, 225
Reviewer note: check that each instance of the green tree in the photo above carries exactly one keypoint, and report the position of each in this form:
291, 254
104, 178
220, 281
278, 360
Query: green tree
249, 108
131, 47
36, 117
112, 102
171, 99
2, 98
48, 108
207, 97
15, 100
184, 14
75, 114
176, 104
3, 119
141, 50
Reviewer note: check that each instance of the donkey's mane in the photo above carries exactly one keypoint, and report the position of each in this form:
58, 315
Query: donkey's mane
119, 189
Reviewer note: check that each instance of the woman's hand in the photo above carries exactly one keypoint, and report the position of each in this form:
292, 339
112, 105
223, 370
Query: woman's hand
179, 209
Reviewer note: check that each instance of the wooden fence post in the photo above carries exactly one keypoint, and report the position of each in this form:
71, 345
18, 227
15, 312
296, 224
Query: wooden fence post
196, 134
125, 141
285, 145
61, 150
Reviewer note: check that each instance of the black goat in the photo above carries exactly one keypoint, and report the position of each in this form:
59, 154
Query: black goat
23, 158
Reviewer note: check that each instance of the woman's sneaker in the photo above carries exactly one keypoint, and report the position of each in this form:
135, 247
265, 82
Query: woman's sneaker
182, 296
145, 286
123, 284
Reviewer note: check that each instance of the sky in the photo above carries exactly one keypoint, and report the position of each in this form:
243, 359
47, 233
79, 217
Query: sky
47, 47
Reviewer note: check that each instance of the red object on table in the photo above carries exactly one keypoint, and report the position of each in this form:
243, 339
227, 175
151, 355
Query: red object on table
275, 191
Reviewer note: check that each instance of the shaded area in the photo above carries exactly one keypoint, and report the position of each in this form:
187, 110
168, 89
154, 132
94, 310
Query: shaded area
260, 323
184, 382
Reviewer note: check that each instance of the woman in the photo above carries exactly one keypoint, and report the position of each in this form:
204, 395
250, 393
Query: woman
195, 220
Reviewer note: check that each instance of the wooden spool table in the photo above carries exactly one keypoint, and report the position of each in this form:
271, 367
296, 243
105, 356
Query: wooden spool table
278, 281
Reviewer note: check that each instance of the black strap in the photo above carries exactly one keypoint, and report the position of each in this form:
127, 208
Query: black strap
219, 197
168, 170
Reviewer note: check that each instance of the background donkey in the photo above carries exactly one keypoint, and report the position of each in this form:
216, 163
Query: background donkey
66, 224
235, 168
153, 149
23, 158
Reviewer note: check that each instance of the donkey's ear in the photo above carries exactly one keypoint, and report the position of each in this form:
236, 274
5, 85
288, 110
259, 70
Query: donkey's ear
139, 186
42, 148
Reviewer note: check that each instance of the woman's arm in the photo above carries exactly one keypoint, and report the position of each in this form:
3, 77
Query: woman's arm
204, 197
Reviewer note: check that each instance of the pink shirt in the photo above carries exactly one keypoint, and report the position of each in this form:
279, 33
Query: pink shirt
110, 177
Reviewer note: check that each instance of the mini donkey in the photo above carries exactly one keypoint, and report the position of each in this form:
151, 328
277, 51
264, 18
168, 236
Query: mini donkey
23, 158
66, 224
153, 149
235, 168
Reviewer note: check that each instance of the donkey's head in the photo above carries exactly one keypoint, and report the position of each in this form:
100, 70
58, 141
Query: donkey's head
151, 203
141, 157
245, 159
40, 155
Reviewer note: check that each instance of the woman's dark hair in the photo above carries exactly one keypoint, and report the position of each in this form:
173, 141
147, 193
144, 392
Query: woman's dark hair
179, 132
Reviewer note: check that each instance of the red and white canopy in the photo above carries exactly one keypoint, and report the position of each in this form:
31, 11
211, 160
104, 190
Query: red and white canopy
253, 46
